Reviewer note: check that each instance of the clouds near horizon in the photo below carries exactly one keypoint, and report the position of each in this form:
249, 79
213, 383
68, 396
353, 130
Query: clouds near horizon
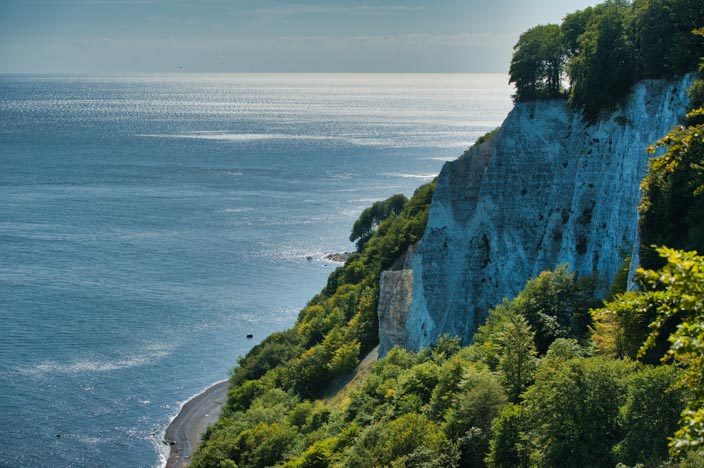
107, 36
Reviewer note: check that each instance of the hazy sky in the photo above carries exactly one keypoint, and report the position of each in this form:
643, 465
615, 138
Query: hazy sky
103, 36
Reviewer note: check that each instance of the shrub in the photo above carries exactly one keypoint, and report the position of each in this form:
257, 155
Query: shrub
672, 206
649, 416
373, 216
518, 356
344, 358
508, 447
573, 411
556, 305
680, 284
382, 444
622, 325
275, 350
469, 419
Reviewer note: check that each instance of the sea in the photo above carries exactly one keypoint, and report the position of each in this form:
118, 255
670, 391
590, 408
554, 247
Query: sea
148, 223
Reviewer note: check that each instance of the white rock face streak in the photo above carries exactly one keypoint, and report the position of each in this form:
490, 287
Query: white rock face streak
546, 190
395, 296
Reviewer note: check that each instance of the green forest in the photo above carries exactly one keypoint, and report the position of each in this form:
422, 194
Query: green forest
597, 54
555, 377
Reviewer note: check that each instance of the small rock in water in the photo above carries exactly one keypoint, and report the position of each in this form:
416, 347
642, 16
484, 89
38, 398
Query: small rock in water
309, 258
250, 335
58, 436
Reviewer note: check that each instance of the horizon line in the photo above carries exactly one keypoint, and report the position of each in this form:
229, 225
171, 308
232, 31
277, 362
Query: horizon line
48, 73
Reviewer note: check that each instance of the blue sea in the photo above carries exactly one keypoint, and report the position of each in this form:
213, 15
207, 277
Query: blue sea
148, 223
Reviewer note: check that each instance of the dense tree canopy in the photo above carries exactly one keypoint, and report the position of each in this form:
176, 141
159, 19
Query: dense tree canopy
680, 285
537, 64
605, 68
494, 403
661, 35
371, 217
556, 305
572, 27
605, 49
672, 208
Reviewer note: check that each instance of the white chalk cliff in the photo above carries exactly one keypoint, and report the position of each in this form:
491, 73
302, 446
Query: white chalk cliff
395, 296
546, 190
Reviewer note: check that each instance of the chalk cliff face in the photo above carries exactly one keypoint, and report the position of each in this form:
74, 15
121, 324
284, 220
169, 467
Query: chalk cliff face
546, 190
395, 296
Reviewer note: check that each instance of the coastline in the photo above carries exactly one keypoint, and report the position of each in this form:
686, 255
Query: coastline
195, 415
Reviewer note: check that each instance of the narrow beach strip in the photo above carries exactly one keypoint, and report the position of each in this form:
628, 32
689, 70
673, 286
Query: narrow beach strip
184, 432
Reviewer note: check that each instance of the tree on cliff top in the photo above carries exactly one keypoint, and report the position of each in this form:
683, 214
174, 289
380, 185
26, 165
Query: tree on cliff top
538, 63
606, 49
605, 69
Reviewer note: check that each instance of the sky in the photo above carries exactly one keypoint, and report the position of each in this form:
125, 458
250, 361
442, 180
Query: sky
124, 36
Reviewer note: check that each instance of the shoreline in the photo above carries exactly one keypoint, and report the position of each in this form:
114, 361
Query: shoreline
195, 415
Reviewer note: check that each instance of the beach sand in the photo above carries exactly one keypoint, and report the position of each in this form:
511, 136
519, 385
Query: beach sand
185, 431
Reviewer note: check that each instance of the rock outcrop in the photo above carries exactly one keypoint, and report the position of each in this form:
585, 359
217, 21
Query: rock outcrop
546, 190
395, 295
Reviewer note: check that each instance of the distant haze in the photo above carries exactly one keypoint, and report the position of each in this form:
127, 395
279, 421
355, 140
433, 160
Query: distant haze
108, 36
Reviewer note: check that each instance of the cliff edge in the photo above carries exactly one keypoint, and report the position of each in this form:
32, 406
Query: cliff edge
546, 190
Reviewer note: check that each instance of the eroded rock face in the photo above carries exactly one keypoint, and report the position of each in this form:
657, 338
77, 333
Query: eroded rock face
395, 296
546, 190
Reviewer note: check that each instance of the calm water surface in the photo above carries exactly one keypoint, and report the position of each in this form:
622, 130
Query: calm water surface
148, 223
